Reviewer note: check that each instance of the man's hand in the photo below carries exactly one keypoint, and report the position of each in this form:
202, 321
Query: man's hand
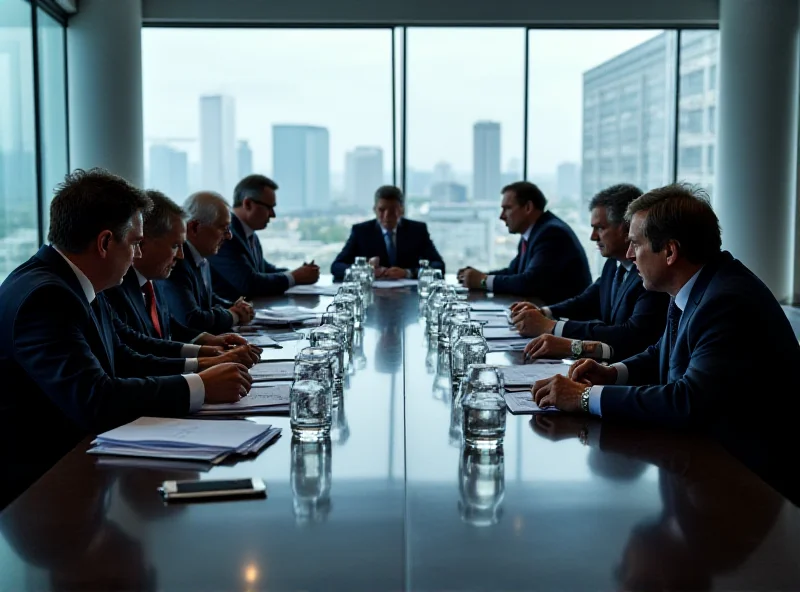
530, 322
522, 305
394, 273
471, 278
590, 371
307, 273
226, 383
209, 351
244, 310
375, 262
560, 392
241, 354
548, 346
224, 341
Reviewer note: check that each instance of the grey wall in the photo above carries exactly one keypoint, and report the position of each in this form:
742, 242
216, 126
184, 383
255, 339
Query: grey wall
420, 12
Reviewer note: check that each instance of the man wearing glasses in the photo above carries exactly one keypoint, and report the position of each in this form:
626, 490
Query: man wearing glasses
190, 295
239, 268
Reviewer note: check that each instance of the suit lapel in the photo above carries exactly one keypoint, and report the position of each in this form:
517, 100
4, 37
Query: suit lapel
629, 281
239, 235
134, 294
105, 329
163, 312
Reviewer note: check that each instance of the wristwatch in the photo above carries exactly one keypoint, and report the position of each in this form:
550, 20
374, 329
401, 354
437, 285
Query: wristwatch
483, 283
585, 399
576, 347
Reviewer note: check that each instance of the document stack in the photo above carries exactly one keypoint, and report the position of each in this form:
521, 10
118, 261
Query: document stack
285, 315
184, 439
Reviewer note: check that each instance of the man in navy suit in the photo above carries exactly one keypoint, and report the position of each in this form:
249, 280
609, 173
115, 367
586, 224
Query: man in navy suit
140, 304
707, 370
189, 290
613, 318
71, 374
393, 245
550, 265
239, 268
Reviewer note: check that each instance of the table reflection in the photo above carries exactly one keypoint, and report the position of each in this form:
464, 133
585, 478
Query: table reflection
340, 429
310, 476
481, 477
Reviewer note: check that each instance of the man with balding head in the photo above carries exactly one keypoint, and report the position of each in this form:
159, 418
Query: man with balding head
189, 291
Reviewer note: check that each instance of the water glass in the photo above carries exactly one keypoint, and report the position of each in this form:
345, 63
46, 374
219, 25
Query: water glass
466, 351
342, 318
484, 407
453, 311
353, 304
310, 474
436, 304
424, 278
315, 363
355, 289
481, 477
336, 352
310, 410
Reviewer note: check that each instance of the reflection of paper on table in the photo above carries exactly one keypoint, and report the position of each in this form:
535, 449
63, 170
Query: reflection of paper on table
284, 315
501, 333
383, 284
313, 290
272, 371
486, 307
522, 403
527, 374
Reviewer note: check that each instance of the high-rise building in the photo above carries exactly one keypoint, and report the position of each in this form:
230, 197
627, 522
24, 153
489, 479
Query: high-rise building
363, 171
218, 143
465, 234
628, 114
445, 192
244, 159
442, 172
486, 160
568, 182
301, 167
169, 171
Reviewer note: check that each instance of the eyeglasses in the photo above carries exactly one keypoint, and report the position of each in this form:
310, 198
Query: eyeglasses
261, 203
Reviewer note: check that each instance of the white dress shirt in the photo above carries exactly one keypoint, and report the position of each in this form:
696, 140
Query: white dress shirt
190, 351
606, 352
525, 236
596, 392
393, 238
197, 390
201, 261
248, 232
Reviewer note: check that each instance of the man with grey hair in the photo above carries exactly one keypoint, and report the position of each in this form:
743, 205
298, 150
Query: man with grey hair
140, 304
239, 269
189, 290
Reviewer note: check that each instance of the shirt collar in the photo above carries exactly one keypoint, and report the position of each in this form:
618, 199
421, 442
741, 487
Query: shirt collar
527, 234
248, 232
627, 264
385, 231
86, 285
142, 280
196, 256
682, 297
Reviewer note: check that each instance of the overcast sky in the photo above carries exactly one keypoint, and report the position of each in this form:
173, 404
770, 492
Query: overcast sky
341, 79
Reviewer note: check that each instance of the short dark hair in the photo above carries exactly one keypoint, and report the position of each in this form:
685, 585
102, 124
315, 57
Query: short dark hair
683, 213
389, 192
88, 202
615, 200
158, 221
525, 191
251, 186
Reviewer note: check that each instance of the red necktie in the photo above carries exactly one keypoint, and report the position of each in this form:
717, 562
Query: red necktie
150, 303
523, 249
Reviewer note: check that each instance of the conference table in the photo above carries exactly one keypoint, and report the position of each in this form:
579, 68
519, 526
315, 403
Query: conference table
394, 502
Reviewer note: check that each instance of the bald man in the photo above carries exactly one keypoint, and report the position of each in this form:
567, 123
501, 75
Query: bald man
190, 294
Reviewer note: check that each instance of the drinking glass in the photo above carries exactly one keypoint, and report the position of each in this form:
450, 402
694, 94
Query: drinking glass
484, 407
310, 410
355, 289
467, 350
481, 477
310, 474
452, 312
353, 304
424, 277
336, 353
341, 317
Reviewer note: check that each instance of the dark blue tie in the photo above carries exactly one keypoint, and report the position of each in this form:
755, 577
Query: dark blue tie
253, 247
673, 321
618, 276
391, 249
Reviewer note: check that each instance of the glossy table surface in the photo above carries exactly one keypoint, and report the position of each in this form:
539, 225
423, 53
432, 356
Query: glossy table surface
394, 503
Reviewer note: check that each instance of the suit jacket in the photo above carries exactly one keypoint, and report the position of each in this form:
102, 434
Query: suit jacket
413, 242
237, 271
71, 374
128, 304
714, 375
553, 268
629, 323
191, 303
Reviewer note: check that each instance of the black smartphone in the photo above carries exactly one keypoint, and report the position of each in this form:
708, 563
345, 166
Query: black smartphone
208, 488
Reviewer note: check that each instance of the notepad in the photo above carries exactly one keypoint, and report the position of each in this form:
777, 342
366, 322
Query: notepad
498, 345
486, 307
501, 333
522, 403
527, 374
268, 398
265, 371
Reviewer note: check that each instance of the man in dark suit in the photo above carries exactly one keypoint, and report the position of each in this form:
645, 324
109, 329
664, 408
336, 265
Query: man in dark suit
72, 375
189, 290
239, 268
392, 244
613, 318
723, 324
140, 304
550, 265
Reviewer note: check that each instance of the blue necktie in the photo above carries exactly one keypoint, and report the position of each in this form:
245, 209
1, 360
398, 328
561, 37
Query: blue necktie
673, 321
618, 275
253, 247
390, 247
205, 272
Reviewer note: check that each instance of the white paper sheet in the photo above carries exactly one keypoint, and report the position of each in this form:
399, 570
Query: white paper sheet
499, 345
171, 432
501, 333
272, 371
487, 307
522, 404
313, 290
527, 374
387, 284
